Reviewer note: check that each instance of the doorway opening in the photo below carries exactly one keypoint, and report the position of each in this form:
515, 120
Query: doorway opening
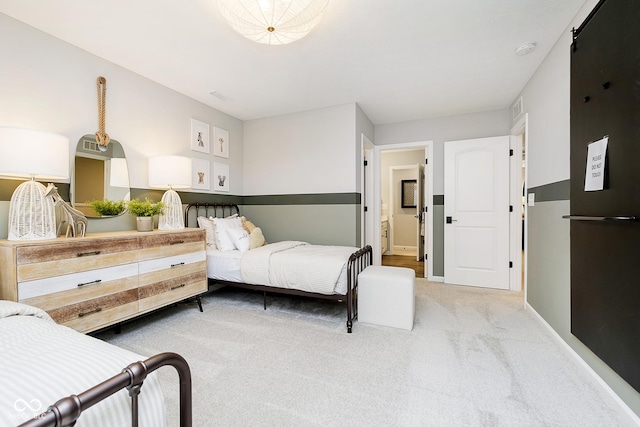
402, 231
518, 178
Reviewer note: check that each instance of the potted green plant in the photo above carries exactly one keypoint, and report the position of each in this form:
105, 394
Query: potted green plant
106, 207
144, 211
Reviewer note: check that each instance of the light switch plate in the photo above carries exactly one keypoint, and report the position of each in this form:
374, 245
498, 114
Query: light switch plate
531, 199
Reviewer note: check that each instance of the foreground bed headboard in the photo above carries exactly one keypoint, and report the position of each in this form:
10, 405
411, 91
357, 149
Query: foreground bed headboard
216, 210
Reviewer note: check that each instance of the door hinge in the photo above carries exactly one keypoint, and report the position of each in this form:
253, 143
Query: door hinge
510, 153
426, 161
510, 264
426, 256
366, 208
425, 209
366, 163
510, 208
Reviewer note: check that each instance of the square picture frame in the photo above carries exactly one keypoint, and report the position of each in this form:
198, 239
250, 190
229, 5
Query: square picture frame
201, 174
220, 177
221, 146
199, 136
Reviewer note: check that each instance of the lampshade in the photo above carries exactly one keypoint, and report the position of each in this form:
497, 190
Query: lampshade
29, 153
273, 21
170, 172
38, 155
119, 176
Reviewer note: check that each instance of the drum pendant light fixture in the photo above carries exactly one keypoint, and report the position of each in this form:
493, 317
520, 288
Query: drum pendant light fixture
273, 21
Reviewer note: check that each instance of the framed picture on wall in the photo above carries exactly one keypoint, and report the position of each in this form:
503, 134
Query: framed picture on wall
199, 136
201, 174
409, 189
220, 142
220, 177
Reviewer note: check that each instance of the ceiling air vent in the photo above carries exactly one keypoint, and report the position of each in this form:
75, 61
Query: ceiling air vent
516, 110
89, 145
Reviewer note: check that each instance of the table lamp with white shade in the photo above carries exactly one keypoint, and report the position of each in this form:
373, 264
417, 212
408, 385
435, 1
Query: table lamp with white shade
27, 153
170, 172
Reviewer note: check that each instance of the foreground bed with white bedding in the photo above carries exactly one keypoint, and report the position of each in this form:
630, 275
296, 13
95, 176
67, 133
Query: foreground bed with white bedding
43, 362
289, 267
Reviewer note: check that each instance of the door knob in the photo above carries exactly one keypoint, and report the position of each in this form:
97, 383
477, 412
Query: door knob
451, 220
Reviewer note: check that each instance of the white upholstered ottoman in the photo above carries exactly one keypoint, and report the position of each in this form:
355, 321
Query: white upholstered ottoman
386, 296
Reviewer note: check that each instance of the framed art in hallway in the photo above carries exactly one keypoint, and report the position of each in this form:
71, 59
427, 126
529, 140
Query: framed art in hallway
201, 174
221, 142
199, 136
220, 177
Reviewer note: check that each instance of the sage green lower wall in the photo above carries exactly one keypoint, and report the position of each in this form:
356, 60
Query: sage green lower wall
549, 278
319, 224
438, 238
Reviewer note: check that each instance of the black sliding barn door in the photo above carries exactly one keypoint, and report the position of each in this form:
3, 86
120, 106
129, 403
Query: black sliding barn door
605, 246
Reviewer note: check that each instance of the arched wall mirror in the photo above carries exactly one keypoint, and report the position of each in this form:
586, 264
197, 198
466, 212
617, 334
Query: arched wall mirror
98, 175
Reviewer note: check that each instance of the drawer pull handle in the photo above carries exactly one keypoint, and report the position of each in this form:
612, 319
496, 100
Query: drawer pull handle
97, 310
176, 242
176, 265
88, 253
95, 282
178, 287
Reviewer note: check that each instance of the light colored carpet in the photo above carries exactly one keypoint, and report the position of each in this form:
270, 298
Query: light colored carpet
475, 357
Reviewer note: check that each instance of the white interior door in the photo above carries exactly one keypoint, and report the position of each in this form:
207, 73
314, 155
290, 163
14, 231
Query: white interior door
476, 229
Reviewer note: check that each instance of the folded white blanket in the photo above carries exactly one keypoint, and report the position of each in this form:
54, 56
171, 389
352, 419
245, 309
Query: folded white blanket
298, 265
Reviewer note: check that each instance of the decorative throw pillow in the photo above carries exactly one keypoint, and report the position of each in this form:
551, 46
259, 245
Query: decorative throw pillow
256, 238
223, 239
240, 238
247, 225
207, 224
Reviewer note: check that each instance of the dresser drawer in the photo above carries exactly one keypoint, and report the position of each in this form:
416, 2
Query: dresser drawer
92, 314
172, 290
76, 295
90, 261
34, 288
173, 239
175, 262
166, 245
65, 249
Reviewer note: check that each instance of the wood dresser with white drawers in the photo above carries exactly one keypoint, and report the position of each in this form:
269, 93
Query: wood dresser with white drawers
102, 279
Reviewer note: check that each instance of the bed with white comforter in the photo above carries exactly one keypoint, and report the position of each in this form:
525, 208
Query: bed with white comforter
316, 269
42, 362
237, 255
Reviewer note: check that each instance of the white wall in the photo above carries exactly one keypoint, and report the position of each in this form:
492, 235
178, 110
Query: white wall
440, 129
301, 153
50, 85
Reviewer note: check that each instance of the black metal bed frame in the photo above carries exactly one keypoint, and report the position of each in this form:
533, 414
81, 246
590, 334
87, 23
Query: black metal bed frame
357, 262
66, 411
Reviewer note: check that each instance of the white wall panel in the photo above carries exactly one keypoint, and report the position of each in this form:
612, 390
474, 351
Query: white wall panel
308, 152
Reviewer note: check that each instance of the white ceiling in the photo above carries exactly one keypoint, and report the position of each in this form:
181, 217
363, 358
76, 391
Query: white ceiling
400, 60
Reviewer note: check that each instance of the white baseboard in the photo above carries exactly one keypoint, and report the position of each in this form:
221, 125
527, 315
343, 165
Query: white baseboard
624, 409
436, 279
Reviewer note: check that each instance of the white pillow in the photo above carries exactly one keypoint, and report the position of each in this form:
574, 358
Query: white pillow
240, 238
206, 224
223, 239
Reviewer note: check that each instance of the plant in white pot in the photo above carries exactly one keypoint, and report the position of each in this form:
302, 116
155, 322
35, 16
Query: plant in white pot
144, 211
